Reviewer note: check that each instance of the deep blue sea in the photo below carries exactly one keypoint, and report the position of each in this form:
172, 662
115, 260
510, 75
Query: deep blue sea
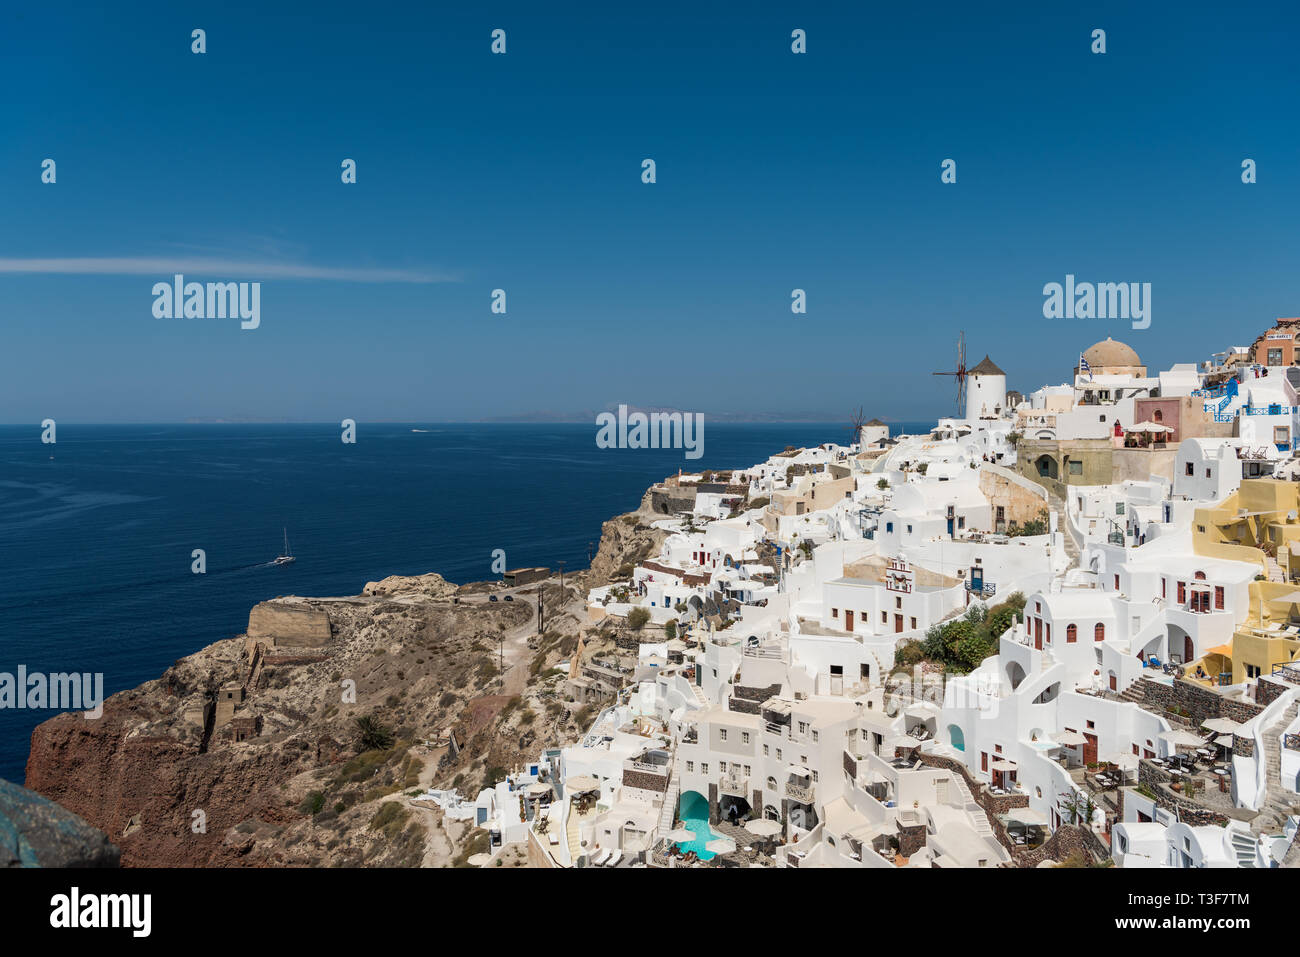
97, 530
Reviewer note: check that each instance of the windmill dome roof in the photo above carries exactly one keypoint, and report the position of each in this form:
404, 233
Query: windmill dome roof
987, 367
1110, 352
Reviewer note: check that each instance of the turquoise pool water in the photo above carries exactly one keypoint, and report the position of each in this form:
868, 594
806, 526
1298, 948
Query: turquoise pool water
694, 812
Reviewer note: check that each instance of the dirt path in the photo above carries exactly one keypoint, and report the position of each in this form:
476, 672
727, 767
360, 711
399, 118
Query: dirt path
518, 656
438, 847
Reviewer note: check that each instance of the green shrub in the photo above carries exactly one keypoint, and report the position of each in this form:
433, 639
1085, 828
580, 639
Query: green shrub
373, 735
313, 803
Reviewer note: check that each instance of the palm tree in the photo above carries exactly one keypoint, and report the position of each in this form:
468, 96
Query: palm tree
373, 735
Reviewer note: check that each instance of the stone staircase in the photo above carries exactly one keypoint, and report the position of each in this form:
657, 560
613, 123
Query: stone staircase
1134, 694
1278, 802
699, 695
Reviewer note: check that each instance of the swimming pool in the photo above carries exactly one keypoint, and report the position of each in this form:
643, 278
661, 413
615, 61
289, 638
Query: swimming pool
694, 812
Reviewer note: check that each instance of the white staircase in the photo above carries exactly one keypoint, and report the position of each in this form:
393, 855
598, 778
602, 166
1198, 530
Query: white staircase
699, 694
1244, 844
979, 819
668, 811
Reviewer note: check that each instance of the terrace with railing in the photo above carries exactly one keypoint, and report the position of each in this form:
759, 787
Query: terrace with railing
733, 782
1288, 673
803, 793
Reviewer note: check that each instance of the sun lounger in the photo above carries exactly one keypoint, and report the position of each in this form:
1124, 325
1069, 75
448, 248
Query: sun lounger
601, 857
614, 859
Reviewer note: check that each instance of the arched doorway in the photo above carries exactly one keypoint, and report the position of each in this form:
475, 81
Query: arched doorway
1015, 674
1047, 467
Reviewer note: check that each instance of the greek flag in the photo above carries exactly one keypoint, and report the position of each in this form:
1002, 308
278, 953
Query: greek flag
1083, 365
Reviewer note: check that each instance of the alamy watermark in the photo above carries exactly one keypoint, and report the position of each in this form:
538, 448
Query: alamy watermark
60, 691
653, 430
1103, 300
179, 299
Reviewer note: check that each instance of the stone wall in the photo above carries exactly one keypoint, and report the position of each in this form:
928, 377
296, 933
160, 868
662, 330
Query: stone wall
1068, 840
910, 839
1199, 702
1267, 691
1187, 810
289, 658
645, 780
749, 700
288, 625
756, 694
1020, 499
672, 501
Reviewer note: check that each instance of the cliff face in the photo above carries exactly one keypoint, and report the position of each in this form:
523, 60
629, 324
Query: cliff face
249, 752
625, 540
288, 744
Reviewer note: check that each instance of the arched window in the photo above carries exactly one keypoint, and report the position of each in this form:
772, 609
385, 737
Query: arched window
1099, 632
1200, 576
1071, 634
1159, 416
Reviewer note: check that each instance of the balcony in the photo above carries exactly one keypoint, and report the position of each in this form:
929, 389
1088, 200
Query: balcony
734, 783
803, 793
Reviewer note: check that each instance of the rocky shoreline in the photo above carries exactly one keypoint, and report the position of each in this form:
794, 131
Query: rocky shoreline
301, 741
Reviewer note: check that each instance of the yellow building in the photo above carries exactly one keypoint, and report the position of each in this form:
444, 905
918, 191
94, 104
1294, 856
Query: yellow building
1258, 523
1261, 516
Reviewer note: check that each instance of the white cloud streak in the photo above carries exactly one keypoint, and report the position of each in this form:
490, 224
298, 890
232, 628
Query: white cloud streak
223, 268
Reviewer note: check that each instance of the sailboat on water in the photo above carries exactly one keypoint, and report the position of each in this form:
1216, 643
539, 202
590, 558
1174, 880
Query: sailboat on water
287, 557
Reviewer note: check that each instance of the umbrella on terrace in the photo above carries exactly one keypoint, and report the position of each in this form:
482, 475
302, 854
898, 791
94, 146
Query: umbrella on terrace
679, 835
1220, 725
1181, 739
580, 783
1027, 816
721, 845
763, 827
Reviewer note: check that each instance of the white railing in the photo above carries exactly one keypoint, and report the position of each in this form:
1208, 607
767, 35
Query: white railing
801, 793
734, 783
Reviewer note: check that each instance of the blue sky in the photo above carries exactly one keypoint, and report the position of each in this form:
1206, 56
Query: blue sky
522, 171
